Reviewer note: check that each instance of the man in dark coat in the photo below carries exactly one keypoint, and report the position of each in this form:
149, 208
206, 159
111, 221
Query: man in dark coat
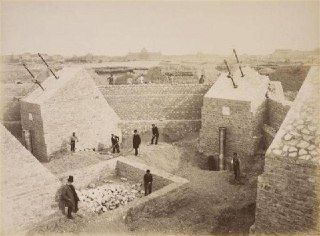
115, 143
147, 180
201, 80
155, 134
136, 142
73, 140
110, 78
69, 197
236, 166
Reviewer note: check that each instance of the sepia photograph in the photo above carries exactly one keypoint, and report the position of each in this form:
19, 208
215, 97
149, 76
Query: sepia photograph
160, 117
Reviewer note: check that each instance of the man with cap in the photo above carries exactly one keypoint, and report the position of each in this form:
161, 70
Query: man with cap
73, 140
155, 134
147, 180
115, 143
136, 142
69, 197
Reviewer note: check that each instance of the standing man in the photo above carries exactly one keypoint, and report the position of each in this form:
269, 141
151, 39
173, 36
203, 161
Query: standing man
69, 197
155, 134
201, 80
236, 166
110, 78
136, 142
73, 140
115, 143
147, 180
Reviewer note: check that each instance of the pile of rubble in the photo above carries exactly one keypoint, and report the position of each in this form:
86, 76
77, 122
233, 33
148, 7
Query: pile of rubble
108, 197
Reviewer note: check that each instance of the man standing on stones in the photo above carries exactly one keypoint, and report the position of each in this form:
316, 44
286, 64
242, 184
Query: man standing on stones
155, 134
147, 180
236, 166
136, 142
73, 140
115, 143
69, 197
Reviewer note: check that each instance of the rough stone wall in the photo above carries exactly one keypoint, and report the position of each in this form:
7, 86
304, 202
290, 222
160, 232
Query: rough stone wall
156, 102
133, 173
77, 107
277, 111
35, 126
239, 124
90, 174
288, 190
27, 188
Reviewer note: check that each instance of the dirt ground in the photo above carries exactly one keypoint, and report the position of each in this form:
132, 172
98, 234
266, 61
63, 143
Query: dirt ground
216, 204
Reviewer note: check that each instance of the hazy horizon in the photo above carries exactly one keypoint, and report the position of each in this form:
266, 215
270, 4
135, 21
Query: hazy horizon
174, 28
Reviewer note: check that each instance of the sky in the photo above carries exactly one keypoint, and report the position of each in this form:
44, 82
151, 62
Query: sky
116, 28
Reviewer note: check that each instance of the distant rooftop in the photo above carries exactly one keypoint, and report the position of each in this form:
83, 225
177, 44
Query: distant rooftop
51, 85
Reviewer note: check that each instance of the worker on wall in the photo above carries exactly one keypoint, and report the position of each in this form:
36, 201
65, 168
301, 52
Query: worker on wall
155, 134
136, 142
147, 180
115, 143
73, 140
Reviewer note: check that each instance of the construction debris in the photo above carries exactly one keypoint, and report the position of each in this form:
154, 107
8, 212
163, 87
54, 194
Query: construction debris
108, 197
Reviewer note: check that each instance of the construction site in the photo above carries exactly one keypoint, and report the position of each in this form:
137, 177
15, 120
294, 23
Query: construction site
241, 112
75, 119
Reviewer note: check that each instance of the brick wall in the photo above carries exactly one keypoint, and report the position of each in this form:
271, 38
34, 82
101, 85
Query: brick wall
277, 111
35, 126
155, 102
243, 131
288, 190
135, 174
27, 188
172, 129
90, 174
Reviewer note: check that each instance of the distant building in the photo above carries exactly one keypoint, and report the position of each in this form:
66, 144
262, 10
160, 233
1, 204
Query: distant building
72, 103
144, 55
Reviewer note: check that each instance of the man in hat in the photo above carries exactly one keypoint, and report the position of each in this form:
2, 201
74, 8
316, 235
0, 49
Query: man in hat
147, 180
73, 140
115, 143
236, 166
155, 134
69, 197
136, 142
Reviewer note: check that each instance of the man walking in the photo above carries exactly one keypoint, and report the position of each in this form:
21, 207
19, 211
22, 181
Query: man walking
69, 197
147, 180
155, 134
136, 142
73, 140
115, 143
236, 166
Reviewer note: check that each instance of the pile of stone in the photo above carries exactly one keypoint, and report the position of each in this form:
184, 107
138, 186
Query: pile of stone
108, 197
